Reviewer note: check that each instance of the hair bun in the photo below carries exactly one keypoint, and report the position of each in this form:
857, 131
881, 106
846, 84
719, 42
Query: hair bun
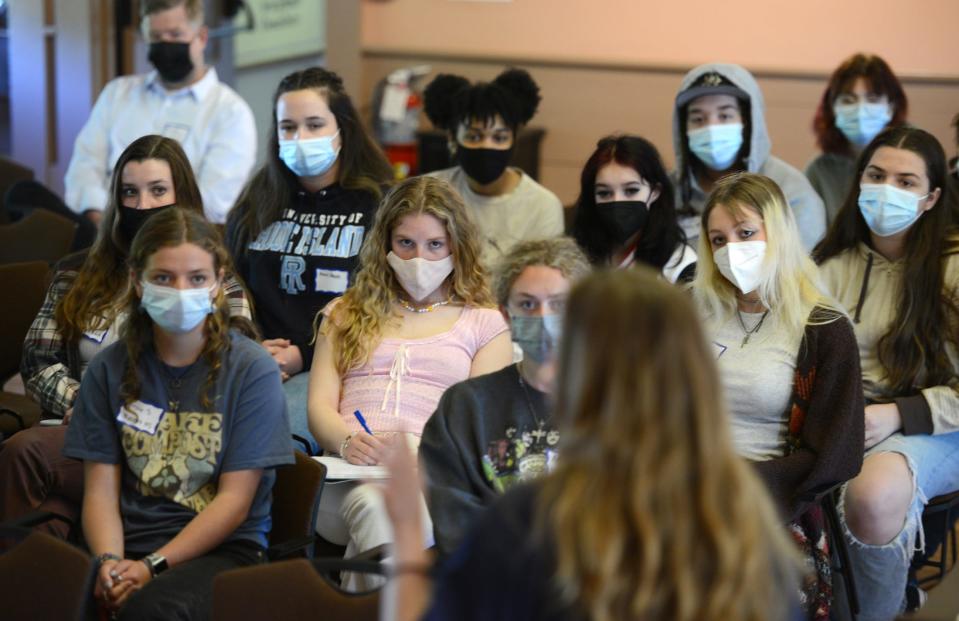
519, 83
439, 96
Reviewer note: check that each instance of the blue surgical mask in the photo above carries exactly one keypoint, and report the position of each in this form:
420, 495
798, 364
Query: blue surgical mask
310, 157
537, 336
716, 145
176, 311
861, 122
888, 210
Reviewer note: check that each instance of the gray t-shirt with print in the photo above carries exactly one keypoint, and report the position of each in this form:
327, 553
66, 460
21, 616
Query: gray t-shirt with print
173, 451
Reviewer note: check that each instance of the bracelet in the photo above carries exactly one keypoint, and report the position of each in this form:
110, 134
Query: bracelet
106, 556
345, 443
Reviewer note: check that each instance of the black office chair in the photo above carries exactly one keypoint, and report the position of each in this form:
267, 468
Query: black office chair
938, 520
839, 553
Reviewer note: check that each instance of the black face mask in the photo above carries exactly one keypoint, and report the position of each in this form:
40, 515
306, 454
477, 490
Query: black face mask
483, 166
172, 60
132, 219
623, 218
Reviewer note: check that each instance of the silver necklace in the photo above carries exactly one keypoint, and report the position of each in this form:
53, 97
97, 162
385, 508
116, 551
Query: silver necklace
540, 422
424, 309
754, 330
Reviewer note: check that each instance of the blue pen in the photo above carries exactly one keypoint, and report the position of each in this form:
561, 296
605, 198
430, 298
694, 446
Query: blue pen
359, 417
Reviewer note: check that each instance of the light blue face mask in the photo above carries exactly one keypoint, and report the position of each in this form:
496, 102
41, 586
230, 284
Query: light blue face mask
716, 145
861, 122
310, 157
537, 336
888, 210
176, 311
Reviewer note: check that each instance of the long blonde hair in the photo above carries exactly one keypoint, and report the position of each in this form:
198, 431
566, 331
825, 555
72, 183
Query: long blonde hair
651, 512
361, 313
791, 285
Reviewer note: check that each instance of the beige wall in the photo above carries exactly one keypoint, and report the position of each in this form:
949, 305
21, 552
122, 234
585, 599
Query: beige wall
614, 65
580, 105
917, 37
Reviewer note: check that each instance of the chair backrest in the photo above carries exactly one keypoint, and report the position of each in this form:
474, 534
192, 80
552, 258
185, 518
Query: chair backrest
40, 236
41, 566
296, 500
26, 284
289, 590
10, 173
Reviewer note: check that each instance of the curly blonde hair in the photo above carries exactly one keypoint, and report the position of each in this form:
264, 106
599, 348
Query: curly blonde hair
651, 512
359, 316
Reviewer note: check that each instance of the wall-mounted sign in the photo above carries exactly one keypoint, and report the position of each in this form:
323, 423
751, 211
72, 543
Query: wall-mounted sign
283, 29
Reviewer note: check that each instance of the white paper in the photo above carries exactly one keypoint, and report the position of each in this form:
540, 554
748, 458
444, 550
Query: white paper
395, 98
338, 469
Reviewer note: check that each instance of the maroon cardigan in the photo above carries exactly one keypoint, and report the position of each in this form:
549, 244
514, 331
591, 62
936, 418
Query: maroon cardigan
826, 418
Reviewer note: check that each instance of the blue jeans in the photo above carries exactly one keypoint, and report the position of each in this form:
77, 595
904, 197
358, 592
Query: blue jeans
296, 389
881, 571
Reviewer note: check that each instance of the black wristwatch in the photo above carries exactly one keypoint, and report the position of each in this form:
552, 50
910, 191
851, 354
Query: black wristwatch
155, 563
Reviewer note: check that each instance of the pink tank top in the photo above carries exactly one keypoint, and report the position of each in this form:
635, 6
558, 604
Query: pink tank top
398, 389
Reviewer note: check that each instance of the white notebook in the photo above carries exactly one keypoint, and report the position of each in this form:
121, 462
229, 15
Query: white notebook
338, 469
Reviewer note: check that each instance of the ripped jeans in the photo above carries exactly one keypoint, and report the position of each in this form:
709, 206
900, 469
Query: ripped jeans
881, 571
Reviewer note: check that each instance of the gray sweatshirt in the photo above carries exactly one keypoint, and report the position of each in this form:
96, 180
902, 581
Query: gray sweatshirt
806, 204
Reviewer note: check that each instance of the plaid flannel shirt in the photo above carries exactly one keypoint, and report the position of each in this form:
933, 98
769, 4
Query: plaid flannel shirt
51, 367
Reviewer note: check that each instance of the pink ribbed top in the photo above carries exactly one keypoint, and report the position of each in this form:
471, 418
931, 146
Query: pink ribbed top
399, 388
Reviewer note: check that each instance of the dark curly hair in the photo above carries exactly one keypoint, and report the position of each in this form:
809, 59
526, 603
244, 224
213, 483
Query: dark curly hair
450, 100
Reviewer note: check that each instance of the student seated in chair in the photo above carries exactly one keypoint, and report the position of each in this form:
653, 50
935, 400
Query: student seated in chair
83, 313
493, 431
418, 319
648, 512
179, 426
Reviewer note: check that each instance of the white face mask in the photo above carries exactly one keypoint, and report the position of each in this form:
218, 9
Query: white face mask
420, 277
176, 310
741, 263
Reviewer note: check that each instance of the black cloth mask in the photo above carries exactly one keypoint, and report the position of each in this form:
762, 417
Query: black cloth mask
132, 219
172, 60
623, 218
483, 166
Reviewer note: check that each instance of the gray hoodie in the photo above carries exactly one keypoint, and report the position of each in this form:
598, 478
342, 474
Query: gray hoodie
806, 204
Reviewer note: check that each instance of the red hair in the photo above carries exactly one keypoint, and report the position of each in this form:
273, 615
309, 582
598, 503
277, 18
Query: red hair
880, 80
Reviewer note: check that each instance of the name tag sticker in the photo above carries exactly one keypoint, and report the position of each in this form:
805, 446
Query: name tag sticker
176, 131
719, 349
142, 416
96, 336
331, 281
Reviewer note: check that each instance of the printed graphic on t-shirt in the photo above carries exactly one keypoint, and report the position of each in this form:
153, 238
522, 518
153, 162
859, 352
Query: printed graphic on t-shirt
302, 234
178, 461
519, 457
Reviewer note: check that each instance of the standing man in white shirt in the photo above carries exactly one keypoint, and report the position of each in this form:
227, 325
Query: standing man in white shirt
183, 99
